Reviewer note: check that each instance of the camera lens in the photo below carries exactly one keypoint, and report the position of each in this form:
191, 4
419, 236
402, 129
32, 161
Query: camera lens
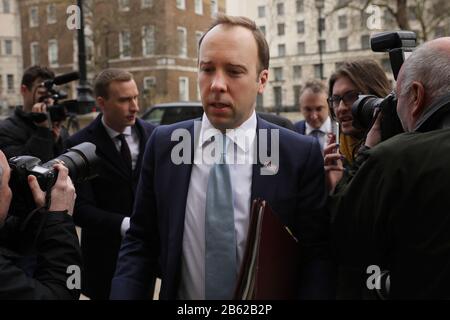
81, 160
363, 110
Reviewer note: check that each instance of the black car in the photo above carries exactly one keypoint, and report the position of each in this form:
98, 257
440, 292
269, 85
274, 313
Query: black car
168, 113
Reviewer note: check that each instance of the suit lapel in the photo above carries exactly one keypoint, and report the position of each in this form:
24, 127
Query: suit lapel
259, 183
106, 148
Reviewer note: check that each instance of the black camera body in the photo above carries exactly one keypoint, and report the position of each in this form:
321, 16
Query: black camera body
81, 160
399, 44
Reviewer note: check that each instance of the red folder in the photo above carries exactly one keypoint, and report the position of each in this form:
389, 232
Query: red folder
270, 267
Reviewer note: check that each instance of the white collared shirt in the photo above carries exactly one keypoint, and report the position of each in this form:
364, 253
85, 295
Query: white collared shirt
131, 137
192, 284
325, 128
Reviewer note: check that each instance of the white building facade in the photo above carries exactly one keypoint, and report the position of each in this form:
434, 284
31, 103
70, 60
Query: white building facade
10, 55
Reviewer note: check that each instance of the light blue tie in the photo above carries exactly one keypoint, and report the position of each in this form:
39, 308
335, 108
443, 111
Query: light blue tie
220, 250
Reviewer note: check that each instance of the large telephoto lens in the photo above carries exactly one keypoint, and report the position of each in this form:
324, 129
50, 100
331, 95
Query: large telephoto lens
81, 160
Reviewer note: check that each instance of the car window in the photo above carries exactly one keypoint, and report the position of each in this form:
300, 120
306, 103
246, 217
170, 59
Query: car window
177, 114
154, 116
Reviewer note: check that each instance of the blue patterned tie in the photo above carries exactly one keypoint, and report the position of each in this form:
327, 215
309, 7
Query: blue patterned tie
220, 249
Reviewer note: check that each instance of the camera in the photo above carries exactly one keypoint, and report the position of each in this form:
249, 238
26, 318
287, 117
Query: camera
399, 44
81, 160
59, 111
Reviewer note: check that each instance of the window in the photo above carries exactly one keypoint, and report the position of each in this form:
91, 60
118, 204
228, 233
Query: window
322, 46
261, 12
183, 86
10, 82
148, 40
278, 73
147, 3
280, 28
181, 4
34, 53
365, 42
321, 24
318, 71
34, 16
343, 44
277, 97
263, 29
182, 41
297, 90
51, 13
124, 5
125, 44
149, 82
281, 50
280, 9
297, 71
199, 6
214, 7
301, 48
342, 22
301, 26
53, 52
300, 5
6, 6
8, 47
364, 17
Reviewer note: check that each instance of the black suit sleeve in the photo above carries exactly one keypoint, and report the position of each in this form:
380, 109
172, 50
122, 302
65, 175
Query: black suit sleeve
317, 280
57, 248
40, 144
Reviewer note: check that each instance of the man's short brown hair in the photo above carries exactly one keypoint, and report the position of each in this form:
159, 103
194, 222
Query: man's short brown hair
315, 86
263, 47
104, 79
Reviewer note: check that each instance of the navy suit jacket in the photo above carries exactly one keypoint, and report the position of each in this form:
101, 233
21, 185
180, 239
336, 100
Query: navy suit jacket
153, 244
300, 126
102, 203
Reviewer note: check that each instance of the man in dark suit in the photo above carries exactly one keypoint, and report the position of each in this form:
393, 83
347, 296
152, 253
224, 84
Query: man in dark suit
190, 222
103, 205
315, 110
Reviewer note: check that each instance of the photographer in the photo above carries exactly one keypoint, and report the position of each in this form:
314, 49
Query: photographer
393, 215
28, 131
57, 244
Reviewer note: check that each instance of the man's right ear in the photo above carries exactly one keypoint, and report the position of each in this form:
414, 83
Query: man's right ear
23, 89
100, 102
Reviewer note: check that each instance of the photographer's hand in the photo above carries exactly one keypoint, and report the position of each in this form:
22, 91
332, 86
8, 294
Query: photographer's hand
40, 107
374, 135
334, 169
63, 192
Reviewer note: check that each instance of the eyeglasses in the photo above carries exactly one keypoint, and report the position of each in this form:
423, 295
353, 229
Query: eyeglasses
348, 98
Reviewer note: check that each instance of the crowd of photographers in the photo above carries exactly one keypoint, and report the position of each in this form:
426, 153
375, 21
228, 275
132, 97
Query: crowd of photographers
388, 191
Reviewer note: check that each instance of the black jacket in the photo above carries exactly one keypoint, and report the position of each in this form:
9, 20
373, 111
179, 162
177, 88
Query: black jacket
57, 248
20, 136
102, 204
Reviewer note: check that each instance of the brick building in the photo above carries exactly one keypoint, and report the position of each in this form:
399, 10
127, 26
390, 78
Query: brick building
156, 40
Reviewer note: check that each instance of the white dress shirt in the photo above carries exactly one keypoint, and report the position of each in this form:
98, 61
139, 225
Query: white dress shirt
132, 139
324, 129
240, 159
